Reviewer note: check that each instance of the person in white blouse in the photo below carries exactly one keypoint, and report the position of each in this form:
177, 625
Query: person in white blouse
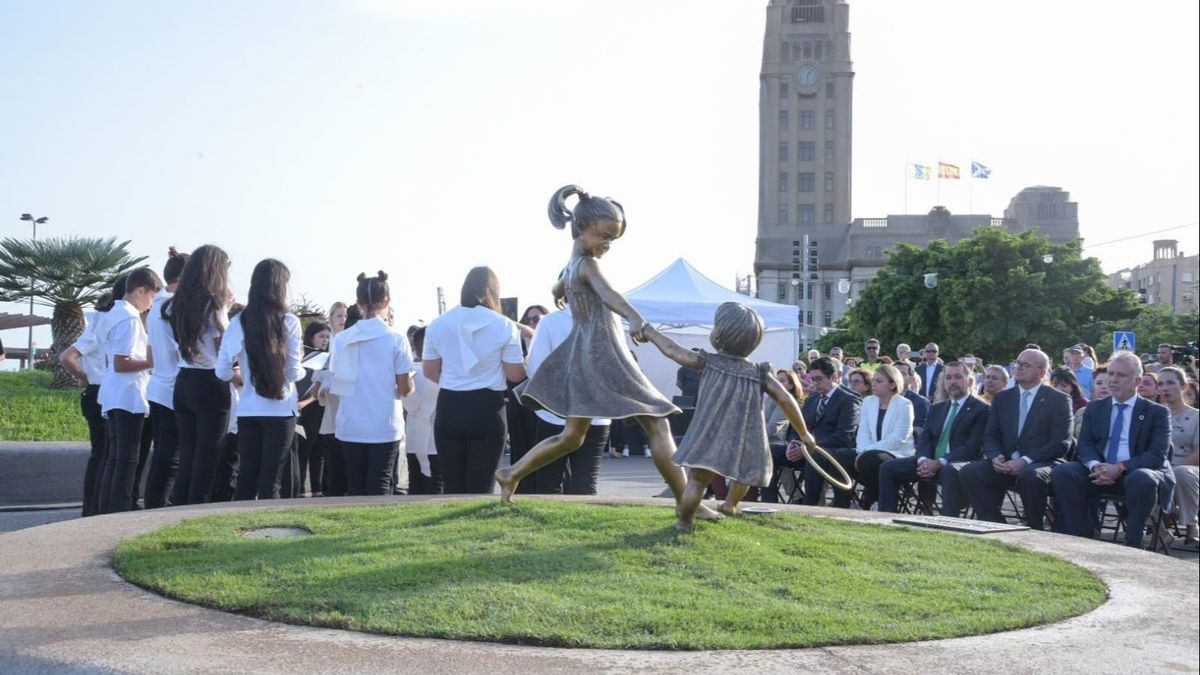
198, 313
86, 359
420, 408
160, 392
471, 352
885, 429
264, 340
372, 368
123, 387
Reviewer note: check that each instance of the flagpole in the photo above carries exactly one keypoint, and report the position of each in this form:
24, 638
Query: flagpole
906, 171
971, 190
938, 178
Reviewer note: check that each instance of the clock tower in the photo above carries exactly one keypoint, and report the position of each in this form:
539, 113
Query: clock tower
805, 103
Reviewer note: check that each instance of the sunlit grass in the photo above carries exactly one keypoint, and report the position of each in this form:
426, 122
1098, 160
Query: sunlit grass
584, 575
31, 411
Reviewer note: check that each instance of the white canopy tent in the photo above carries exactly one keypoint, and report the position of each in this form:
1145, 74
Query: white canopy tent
681, 302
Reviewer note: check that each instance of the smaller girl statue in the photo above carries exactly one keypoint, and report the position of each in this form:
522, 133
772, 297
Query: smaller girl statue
728, 434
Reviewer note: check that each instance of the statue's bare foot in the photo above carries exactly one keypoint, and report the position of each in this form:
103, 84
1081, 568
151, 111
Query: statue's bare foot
681, 526
507, 485
705, 513
728, 509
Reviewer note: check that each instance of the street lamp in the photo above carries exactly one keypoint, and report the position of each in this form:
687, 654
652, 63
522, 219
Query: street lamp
35, 221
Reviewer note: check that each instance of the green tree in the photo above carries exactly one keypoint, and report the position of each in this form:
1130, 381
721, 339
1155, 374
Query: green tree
995, 292
68, 274
1153, 326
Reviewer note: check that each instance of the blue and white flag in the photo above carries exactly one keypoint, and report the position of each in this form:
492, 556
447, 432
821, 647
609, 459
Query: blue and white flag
979, 171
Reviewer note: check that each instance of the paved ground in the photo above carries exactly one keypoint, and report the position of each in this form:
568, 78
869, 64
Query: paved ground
62, 609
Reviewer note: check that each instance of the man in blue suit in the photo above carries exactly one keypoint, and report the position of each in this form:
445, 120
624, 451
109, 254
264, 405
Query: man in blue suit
1028, 432
929, 371
1123, 449
954, 435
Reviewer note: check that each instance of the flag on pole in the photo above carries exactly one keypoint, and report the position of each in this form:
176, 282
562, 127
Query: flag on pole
922, 171
980, 171
947, 171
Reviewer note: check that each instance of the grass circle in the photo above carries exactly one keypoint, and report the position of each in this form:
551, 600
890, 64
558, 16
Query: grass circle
586, 575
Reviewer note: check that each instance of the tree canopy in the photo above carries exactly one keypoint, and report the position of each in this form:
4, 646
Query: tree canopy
995, 292
64, 270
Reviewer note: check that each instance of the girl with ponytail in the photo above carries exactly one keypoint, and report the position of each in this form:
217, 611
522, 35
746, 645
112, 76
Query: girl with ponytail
592, 374
372, 368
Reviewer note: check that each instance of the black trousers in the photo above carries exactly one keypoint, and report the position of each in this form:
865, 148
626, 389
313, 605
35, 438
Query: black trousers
575, 474
121, 458
164, 463
143, 457
312, 462
469, 432
369, 467
227, 470
263, 444
985, 489
98, 435
814, 483
291, 482
896, 472
867, 467
419, 483
202, 417
334, 479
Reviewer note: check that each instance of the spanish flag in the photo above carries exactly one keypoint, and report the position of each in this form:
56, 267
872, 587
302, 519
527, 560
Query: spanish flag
947, 171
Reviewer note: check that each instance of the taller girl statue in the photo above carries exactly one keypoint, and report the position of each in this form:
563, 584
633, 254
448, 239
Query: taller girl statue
592, 374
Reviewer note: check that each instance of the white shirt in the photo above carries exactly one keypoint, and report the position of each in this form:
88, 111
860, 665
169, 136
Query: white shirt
92, 351
421, 407
373, 414
551, 332
1123, 445
1033, 392
123, 335
251, 403
472, 343
206, 346
161, 389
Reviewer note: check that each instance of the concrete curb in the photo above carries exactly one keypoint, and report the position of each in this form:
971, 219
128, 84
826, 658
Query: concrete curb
42, 472
62, 608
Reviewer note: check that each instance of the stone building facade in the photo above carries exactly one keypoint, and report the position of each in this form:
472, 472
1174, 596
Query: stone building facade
1170, 278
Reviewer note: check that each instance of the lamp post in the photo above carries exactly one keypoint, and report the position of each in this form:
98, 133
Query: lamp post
35, 222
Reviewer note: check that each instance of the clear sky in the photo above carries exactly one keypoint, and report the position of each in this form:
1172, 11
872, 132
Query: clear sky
424, 137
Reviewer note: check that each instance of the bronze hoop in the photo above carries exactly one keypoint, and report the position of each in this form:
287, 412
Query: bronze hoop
844, 484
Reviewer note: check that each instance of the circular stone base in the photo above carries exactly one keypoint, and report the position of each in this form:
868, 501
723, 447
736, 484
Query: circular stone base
277, 533
62, 608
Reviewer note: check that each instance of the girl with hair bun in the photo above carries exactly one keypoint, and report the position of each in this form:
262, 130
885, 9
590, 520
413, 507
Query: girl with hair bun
372, 368
728, 436
160, 392
592, 374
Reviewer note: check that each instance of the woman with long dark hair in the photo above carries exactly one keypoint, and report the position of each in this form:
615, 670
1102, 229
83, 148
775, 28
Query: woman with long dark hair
164, 464
198, 313
372, 369
265, 342
472, 351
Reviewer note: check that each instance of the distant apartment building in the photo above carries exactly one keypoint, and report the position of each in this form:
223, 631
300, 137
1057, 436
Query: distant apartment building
1170, 278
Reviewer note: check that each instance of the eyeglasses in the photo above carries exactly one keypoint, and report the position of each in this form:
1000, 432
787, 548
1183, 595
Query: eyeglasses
872, 348
1023, 365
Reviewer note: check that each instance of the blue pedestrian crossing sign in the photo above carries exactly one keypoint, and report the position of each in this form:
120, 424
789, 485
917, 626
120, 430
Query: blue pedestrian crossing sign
1124, 340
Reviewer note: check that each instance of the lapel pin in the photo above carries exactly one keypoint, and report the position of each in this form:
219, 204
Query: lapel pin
1141, 417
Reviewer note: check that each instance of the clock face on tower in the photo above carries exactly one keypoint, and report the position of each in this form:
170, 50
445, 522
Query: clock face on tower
807, 74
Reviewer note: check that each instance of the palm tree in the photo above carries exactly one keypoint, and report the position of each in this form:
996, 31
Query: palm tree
68, 274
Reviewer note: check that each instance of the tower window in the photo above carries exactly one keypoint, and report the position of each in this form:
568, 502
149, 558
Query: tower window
808, 119
828, 151
783, 214
829, 181
783, 151
808, 11
783, 120
783, 182
808, 214
785, 53
829, 120
808, 50
807, 182
820, 52
827, 319
806, 151
783, 91
829, 89
829, 213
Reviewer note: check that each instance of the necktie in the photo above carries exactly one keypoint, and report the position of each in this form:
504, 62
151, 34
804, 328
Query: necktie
1114, 439
1026, 397
944, 440
929, 382
821, 405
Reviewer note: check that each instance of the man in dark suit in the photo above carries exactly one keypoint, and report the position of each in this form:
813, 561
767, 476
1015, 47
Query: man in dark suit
1028, 431
831, 414
954, 435
1123, 449
930, 370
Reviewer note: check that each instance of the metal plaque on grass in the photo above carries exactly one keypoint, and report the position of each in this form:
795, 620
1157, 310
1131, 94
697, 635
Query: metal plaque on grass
958, 524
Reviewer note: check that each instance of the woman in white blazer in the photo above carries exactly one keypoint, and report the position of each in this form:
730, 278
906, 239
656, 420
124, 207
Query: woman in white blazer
885, 429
